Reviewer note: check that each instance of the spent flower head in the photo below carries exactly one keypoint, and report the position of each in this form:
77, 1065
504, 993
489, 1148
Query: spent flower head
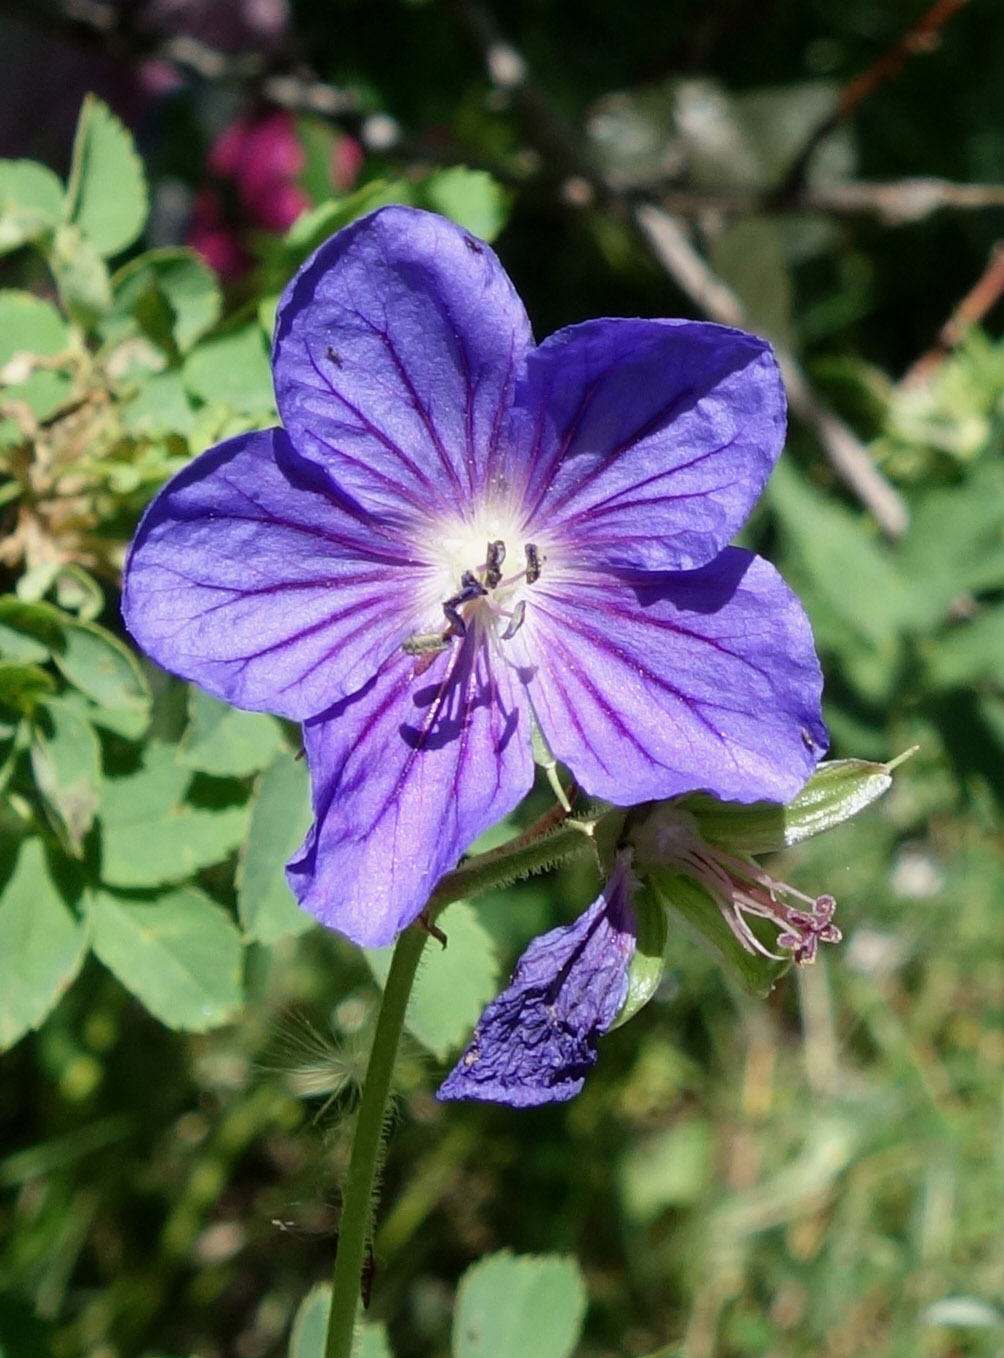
456, 537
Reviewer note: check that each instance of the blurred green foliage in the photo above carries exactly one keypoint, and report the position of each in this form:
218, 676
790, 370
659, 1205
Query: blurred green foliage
817, 1173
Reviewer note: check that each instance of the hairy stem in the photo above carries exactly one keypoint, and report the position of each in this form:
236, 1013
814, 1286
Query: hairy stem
550, 840
354, 1229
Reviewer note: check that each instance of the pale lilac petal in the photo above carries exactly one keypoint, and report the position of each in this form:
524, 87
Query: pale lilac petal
657, 685
406, 774
536, 1043
395, 353
649, 441
247, 577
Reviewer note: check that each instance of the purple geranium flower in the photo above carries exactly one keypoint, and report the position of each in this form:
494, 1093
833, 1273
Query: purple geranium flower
536, 1043
456, 534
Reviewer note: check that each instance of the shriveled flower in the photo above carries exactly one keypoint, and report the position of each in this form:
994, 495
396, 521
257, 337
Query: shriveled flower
537, 1042
455, 534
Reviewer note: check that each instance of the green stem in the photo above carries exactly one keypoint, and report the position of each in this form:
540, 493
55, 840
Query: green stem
354, 1229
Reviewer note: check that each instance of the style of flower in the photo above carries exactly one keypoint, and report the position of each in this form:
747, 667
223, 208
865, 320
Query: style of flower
537, 1042
740, 888
456, 535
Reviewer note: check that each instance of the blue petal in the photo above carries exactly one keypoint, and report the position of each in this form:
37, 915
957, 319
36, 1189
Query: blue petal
648, 442
536, 1043
247, 577
395, 353
654, 685
406, 774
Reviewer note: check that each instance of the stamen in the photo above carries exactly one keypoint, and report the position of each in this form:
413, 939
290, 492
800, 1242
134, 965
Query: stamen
515, 620
532, 563
470, 588
493, 568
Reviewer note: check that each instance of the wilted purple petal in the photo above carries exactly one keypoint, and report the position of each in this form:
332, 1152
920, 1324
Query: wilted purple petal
536, 1043
700, 679
406, 774
249, 578
395, 354
648, 442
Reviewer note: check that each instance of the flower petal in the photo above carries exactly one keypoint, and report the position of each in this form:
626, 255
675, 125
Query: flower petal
651, 686
247, 577
395, 351
536, 1043
649, 441
406, 774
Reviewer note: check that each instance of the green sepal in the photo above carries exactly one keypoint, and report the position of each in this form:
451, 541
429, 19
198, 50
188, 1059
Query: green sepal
702, 919
648, 965
836, 791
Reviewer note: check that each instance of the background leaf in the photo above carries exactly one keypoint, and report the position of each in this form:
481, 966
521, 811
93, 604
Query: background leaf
531, 1305
226, 741
42, 945
149, 835
180, 955
107, 185
280, 817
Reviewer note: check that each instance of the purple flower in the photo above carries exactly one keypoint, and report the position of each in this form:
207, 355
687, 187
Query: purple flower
536, 1043
456, 534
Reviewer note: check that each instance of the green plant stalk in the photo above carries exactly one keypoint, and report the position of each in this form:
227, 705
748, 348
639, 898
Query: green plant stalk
542, 846
354, 1229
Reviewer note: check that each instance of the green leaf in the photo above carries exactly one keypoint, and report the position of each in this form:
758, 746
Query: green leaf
967, 653
179, 280
453, 984
107, 185
280, 817
530, 1305
28, 631
313, 227
227, 742
471, 198
150, 836
670, 1169
232, 369
42, 945
852, 572
81, 276
159, 407
180, 955
31, 329
700, 916
31, 202
837, 790
310, 1329
23, 686
66, 761
99, 665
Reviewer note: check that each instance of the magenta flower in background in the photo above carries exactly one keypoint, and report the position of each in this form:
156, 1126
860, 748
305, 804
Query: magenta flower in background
261, 155
536, 1043
457, 533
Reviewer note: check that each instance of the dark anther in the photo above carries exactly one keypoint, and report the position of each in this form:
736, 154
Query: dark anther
493, 568
532, 563
516, 621
472, 245
470, 588
334, 357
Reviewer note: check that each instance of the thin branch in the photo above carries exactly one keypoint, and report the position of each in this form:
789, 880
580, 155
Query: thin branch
985, 293
919, 37
669, 245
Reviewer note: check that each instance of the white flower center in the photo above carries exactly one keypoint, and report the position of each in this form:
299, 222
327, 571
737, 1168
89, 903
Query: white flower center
480, 573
